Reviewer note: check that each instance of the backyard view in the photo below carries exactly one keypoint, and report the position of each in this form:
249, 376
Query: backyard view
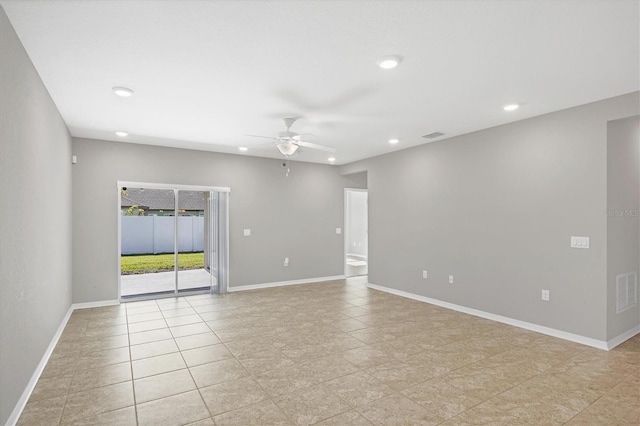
145, 264
155, 223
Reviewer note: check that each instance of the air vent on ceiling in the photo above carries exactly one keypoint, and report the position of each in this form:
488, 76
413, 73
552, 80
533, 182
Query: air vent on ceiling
626, 291
433, 135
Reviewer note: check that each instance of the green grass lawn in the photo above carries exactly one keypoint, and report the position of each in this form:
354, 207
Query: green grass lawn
145, 264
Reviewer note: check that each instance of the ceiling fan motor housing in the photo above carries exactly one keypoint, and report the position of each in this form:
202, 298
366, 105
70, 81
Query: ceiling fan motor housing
289, 122
287, 135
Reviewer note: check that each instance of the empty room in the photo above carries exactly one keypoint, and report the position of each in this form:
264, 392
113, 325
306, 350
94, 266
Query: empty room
350, 212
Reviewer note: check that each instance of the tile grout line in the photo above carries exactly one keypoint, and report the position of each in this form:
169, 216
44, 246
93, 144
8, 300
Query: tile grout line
133, 383
603, 395
64, 407
250, 375
513, 387
189, 369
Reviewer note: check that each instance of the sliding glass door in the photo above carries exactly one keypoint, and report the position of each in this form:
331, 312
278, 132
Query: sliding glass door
173, 240
147, 241
192, 271
219, 248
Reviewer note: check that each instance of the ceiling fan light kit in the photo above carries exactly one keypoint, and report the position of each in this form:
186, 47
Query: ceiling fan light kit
288, 142
287, 148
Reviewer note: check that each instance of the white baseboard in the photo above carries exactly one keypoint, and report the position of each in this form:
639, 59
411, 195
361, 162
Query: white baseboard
17, 411
24, 398
283, 283
623, 337
599, 344
359, 256
99, 304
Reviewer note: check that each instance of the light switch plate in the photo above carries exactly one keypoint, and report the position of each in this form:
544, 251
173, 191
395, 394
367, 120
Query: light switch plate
247, 232
580, 242
545, 295
338, 231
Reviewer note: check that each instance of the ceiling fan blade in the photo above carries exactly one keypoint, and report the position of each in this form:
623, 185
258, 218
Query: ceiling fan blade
299, 136
316, 146
260, 145
264, 137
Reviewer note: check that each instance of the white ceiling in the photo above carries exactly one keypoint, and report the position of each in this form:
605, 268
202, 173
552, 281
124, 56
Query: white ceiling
206, 73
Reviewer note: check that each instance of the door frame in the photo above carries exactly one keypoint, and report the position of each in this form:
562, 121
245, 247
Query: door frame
173, 187
346, 226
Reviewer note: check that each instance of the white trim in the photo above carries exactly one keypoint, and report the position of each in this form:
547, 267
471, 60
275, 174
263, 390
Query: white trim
17, 410
599, 344
24, 398
119, 248
173, 186
284, 283
621, 338
226, 252
98, 304
360, 256
176, 250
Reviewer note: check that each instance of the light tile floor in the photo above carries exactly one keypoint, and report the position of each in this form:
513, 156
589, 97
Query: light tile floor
333, 353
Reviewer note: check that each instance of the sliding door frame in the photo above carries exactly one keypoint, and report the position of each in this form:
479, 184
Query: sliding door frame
175, 188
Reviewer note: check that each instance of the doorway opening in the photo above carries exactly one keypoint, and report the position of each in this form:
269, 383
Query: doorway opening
356, 232
173, 239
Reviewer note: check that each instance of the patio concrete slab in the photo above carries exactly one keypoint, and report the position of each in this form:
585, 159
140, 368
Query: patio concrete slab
163, 281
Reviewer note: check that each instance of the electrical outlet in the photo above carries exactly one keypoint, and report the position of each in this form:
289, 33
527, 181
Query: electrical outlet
424, 274
450, 279
286, 261
246, 232
545, 295
580, 242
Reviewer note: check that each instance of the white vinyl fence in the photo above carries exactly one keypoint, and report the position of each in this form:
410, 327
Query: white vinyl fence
154, 234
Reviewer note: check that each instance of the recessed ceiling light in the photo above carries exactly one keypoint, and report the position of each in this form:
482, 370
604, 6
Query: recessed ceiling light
124, 92
243, 148
331, 159
122, 133
389, 62
394, 141
511, 107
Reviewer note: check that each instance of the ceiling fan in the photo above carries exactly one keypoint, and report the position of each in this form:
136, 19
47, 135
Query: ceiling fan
288, 142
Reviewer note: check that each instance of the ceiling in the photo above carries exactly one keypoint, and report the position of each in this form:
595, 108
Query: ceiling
207, 73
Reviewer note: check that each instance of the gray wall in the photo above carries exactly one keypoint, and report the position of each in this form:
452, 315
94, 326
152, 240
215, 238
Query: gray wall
623, 227
35, 251
292, 217
496, 208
